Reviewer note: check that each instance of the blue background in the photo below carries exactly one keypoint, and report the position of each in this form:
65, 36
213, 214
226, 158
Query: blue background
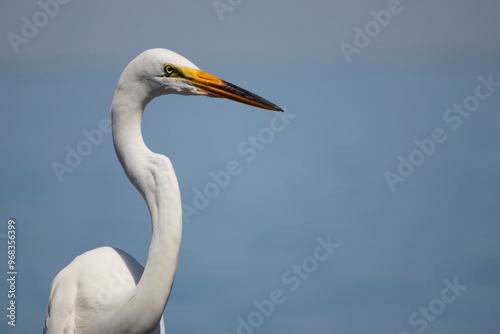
321, 175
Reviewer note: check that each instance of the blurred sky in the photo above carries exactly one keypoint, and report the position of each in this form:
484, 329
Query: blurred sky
322, 176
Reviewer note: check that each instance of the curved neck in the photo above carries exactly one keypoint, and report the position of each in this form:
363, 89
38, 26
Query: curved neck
154, 177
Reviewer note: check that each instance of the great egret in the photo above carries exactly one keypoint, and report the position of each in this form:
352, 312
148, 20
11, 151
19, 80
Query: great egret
105, 290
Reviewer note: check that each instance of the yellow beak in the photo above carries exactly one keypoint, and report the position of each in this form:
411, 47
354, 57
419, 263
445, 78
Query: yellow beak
215, 87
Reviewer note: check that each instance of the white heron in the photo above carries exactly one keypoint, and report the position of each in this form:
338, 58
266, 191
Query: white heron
106, 290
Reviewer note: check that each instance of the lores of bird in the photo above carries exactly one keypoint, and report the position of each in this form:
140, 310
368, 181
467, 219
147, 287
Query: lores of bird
106, 290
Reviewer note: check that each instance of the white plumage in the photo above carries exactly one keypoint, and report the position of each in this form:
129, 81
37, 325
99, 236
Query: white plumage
106, 290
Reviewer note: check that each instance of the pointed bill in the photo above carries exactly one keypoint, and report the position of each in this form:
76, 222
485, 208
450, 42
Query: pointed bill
215, 87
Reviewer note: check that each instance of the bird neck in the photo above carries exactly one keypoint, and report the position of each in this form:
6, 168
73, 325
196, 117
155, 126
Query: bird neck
154, 177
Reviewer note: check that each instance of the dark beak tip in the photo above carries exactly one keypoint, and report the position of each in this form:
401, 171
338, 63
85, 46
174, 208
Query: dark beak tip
275, 107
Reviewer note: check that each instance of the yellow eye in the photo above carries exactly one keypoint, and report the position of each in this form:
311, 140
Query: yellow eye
168, 69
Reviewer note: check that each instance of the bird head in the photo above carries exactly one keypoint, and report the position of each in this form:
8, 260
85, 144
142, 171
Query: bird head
158, 72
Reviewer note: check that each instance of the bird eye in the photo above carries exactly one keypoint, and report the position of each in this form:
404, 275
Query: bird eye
168, 69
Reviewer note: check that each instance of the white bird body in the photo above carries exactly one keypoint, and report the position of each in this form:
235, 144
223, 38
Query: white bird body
90, 289
105, 290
